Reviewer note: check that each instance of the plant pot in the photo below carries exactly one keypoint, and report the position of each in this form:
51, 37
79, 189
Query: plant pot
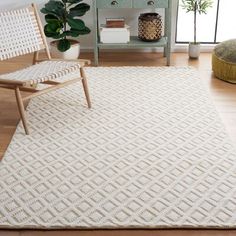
71, 54
194, 50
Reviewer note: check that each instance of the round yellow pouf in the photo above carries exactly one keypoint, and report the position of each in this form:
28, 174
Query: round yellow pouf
224, 61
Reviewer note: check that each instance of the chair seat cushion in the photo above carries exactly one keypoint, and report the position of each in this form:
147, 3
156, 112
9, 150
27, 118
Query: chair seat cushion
44, 71
224, 61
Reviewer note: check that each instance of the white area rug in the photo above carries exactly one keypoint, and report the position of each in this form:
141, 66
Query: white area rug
152, 153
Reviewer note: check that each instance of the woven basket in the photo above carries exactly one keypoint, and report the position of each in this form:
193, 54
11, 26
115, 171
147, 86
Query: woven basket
149, 27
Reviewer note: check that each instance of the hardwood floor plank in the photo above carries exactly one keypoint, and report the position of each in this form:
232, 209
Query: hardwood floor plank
177, 232
9, 233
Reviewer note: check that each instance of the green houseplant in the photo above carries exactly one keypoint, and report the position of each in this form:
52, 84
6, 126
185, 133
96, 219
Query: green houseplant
63, 23
197, 7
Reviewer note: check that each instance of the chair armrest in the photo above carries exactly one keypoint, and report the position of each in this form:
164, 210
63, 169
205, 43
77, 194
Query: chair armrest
12, 82
83, 62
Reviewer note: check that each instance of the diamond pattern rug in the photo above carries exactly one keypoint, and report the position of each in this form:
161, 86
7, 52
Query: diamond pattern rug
152, 153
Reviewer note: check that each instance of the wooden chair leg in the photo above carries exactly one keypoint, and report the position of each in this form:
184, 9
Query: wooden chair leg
35, 57
85, 86
21, 109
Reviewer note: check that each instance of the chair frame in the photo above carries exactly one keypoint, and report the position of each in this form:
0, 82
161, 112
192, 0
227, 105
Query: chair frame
19, 86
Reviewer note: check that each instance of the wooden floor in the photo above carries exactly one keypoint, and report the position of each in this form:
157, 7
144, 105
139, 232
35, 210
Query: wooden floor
223, 94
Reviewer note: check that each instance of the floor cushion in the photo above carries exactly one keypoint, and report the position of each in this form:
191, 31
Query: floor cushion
224, 61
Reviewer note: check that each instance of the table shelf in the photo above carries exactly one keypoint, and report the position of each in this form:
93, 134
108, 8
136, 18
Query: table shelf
135, 42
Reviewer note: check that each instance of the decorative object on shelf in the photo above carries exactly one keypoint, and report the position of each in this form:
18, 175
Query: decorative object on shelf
149, 27
224, 61
114, 35
115, 22
197, 7
62, 21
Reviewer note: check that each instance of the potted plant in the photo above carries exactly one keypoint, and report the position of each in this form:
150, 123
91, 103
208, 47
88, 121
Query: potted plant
197, 7
62, 24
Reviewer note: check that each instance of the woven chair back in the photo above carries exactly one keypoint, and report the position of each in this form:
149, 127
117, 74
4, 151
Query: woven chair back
20, 33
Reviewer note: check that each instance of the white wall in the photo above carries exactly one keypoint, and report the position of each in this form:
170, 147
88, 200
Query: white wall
131, 16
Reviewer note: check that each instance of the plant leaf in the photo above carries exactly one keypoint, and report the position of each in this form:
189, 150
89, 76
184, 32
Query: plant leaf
60, 36
53, 29
86, 30
53, 7
79, 10
63, 45
49, 32
76, 23
49, 18
200, 6
72, 33
76, 33
74, 1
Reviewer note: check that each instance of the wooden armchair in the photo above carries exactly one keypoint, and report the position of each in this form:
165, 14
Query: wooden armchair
21, 33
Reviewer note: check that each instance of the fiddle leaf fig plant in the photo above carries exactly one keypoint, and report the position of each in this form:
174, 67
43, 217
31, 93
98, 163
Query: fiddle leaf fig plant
62, 21
197, 7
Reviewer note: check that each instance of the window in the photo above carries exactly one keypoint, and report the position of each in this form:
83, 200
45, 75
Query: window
216, 26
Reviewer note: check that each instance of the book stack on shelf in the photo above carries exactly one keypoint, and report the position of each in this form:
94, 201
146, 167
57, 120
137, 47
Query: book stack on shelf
115, 31
115, 22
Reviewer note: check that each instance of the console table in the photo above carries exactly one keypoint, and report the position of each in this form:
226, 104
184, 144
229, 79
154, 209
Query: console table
164, 42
